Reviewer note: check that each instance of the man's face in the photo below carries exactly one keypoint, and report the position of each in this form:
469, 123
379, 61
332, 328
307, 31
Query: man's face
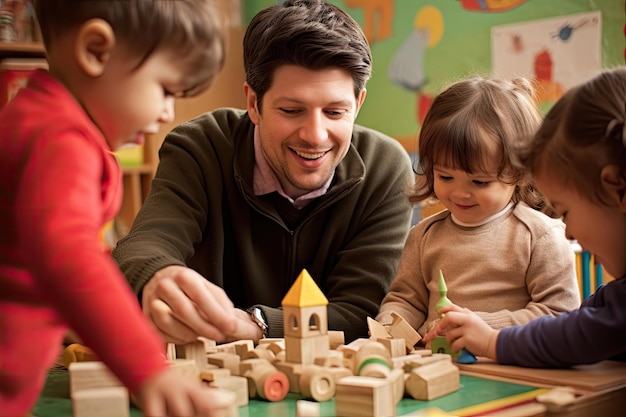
306, 124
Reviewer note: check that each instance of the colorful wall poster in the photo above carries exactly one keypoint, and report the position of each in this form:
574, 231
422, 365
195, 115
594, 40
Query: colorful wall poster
420, 46
557, 53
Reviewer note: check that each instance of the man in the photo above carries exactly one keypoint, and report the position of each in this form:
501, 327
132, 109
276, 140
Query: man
243, 201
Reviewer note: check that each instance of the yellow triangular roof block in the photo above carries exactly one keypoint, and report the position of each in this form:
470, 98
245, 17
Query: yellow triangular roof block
304, 292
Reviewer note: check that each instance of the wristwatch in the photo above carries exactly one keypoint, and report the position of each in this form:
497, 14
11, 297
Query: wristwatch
259, 319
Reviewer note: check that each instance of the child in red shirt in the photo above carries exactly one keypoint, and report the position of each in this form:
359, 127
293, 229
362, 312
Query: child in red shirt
115, 68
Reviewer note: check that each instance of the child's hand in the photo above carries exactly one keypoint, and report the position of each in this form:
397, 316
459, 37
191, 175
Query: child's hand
171, 394
465, 329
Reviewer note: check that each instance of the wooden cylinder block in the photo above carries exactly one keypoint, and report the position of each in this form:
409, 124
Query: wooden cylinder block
374, 360
275, 386
317, 383
266, 382
374, 366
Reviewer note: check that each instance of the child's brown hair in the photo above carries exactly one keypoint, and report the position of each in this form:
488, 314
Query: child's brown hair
473, 123
583, 133
190, 28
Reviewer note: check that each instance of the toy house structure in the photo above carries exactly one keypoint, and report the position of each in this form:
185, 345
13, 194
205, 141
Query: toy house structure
367, 377
305, 321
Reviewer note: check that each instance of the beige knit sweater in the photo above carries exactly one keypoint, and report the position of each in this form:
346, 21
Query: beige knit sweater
511, 270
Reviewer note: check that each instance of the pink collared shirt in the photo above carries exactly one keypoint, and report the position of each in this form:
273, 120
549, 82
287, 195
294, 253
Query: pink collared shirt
265, 180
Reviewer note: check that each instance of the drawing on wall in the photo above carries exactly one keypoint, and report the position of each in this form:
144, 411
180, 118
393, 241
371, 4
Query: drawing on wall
406, 68
557, 53
378, 18
493, 6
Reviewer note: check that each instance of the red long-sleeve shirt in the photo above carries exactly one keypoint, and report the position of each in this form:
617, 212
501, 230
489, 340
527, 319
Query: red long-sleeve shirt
59, 184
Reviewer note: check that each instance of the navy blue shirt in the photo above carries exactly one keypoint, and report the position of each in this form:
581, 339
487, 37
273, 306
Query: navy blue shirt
594, 332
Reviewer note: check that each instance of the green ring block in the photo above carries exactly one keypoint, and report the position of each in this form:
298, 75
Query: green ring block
372, 360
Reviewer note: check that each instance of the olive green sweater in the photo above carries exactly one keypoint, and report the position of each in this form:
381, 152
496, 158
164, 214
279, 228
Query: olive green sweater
202, 212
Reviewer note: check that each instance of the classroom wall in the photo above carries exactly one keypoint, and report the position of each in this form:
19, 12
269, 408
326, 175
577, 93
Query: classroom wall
419, 46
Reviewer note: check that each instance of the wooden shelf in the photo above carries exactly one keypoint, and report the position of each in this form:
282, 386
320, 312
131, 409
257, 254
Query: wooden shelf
136, 182
21, 49
140, 169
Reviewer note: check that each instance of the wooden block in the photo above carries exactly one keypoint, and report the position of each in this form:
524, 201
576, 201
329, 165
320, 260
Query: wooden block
395, 347
229, 361
264, 380
307, 409
414, 361
224, 403
187, 368
317, 382
280, 341
210, 345
276, 348
374, 366
259, 353
252, 364
88, 375
170, 352
338, 373
349, 352
396, 378
280, 357
558, 399
305, 350
236, 384
432, 381
373, 359
400, 329
293, 372
238, 347
336, 338
361, 396
422, 352
372, 348
400, 361
377, 330
356, 343
213, 372
333, 360
99, 402
440, 345
194, 351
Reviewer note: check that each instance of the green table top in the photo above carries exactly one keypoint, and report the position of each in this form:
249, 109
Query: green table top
474, 391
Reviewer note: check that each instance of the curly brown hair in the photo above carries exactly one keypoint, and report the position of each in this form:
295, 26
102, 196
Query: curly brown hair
474, 122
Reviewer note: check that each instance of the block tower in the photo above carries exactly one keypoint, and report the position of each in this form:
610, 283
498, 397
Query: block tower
439, 343
305, 319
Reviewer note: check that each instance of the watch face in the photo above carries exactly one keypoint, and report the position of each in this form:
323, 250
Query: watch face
257, 316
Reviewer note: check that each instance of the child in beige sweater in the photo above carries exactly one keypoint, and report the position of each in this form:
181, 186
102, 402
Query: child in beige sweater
501, 256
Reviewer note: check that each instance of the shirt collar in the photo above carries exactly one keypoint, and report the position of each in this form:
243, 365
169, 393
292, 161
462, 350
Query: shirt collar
265, 180
487, 220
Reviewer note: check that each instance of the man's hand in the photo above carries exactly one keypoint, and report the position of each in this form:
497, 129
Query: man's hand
246, 328
184, 305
